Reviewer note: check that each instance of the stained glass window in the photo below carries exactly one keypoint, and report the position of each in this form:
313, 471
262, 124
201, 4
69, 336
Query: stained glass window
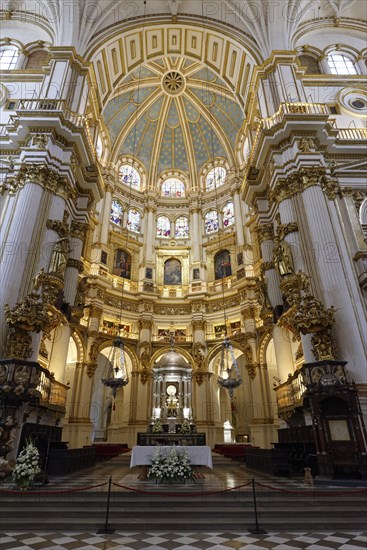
163, 227
182, 228
228, 214
8, 59
340, 64
116, 213
130, 176
215, 178
173, 187
134, 221
211, 222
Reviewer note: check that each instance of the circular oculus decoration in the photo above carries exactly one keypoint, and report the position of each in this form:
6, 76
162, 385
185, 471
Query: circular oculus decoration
353, 101
173, 83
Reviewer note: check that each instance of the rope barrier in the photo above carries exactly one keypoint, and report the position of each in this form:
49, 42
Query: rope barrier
313, 493
201, 494
76, 490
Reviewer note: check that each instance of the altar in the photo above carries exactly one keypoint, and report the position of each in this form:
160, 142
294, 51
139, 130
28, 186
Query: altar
199, 455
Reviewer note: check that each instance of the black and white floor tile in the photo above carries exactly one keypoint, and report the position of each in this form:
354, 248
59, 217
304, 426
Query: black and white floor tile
183, 541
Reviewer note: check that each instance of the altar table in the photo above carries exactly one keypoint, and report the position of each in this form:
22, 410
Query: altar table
199, 455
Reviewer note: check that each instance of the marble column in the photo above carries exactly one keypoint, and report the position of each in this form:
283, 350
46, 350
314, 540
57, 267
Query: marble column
106, 214
238, 219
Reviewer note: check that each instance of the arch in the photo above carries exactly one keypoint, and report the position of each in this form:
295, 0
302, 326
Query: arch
127, 38
173, 188
157, 354
37, 59
127, 348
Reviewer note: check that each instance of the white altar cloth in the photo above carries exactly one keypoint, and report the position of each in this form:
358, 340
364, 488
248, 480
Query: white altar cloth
199, 455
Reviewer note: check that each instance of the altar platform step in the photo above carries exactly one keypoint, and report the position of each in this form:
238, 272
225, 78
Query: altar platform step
300, 509
228, 511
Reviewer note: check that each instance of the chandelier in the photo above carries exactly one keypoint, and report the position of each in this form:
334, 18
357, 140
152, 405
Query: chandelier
229, 373
116, 376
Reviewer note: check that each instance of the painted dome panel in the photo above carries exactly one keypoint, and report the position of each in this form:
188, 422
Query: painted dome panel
169, 128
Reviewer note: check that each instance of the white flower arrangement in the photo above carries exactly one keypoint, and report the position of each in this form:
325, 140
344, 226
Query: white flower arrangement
157, 427
27, 466
185, 427
172, 467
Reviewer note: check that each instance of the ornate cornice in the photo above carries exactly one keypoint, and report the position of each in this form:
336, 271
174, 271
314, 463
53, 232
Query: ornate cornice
265, 232
39, 174
78, 229
298, 182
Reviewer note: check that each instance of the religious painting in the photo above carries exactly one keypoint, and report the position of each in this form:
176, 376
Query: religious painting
172, 272
219, 331
149, 273
122, 264
240, 258
196, 274
104, 257
222, 264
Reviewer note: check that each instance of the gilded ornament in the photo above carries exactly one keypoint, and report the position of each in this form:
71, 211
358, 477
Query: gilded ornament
76, 264
78, 229
265, 232
42, 175
18, 345
306, 145
198, 353
40, 141
28, 314
282, 258
308, 315
91, 368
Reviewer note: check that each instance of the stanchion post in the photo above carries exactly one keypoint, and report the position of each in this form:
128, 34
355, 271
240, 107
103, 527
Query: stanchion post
256, 530
107, 530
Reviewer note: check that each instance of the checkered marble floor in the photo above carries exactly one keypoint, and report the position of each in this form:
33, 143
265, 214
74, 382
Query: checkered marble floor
182, 541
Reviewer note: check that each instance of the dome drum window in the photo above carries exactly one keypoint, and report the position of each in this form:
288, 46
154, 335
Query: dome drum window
117, 212
130, 176
341, 64
8, 58
215, 178
173, 188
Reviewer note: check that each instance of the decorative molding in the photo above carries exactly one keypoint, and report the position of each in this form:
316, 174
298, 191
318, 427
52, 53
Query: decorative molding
298, 182
78, 229
265, 232
76, 264
39, 174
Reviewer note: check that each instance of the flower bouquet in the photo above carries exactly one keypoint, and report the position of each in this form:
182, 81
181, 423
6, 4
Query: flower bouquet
26, 467
173, 467
185, 427
157, 427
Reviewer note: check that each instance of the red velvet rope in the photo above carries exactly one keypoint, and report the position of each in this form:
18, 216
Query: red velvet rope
313, 493
76, 490
201, 494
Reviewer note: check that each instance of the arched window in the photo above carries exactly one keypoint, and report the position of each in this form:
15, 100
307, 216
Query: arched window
182, 228
215, 178
163, 227
130, 176
116, 213
134, 221
211, 222
122, 264
228, 214
8, 58
340, 64
222, 264
173, 187
172, 272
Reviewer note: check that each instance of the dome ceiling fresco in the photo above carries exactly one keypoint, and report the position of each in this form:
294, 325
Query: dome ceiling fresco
173, 113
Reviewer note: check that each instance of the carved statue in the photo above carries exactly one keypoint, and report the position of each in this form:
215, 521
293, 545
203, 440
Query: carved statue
283, 259
38, 278
59, 257
199, 353
145, 354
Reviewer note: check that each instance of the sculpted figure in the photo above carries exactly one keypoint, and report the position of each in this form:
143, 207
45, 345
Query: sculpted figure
283, 259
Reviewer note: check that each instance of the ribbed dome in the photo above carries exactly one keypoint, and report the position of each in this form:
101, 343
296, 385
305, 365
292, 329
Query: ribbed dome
172, 359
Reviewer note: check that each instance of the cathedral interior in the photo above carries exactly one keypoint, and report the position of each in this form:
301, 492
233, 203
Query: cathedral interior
183, 225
